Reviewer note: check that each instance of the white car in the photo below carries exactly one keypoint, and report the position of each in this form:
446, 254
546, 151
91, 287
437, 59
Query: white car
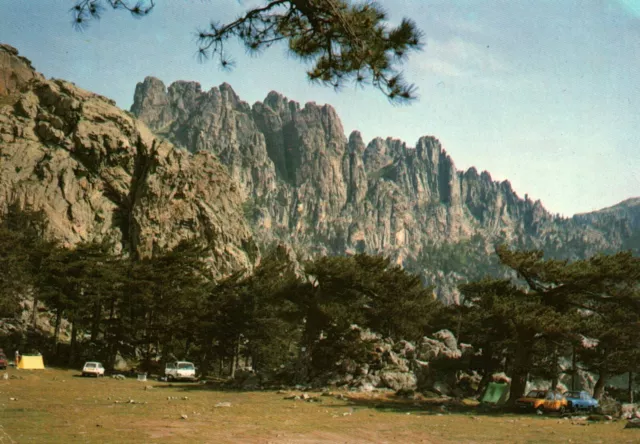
180, 370
93, 369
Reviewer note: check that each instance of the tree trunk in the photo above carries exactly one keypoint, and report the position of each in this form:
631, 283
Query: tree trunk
34, 315
459, 327
631, 387
74, 343
235, 358
486, 378
204, 365
56, 330
521, 364
95, 324
574, 370
109, 337
489, 366
598, 390
554, 380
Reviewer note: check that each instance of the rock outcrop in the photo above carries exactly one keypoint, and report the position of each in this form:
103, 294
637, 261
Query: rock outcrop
15, 71
434, 365
100, 174
308, 185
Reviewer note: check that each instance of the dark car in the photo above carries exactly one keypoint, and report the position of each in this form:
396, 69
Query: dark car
581, 400
3, 360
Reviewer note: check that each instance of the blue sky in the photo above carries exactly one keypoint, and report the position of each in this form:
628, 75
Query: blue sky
544, 93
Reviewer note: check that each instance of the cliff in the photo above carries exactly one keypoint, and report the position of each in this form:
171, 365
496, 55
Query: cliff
100, 174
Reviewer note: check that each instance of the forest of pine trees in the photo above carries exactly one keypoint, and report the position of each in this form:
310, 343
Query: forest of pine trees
294, 322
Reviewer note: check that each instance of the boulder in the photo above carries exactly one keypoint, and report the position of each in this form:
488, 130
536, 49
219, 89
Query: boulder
441, 388
405, 349
609, 406
629, 411
391, 359
398, 380
633, 424
442, 346
501, 377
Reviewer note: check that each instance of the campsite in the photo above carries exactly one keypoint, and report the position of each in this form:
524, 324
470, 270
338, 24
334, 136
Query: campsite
56, 405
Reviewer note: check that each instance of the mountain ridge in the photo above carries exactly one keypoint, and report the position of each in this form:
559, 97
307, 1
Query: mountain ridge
288, 170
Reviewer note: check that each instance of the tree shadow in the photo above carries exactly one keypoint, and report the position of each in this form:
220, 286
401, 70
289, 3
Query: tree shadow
359, 401
186, 386
398, 404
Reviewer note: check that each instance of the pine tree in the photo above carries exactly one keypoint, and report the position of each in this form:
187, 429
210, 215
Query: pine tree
522, 317
556, 304
364, 290
22, 248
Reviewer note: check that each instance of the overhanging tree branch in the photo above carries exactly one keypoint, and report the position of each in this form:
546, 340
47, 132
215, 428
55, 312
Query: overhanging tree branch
342, 41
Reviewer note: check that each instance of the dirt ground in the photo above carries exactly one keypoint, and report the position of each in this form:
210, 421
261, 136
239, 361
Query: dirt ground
60, 406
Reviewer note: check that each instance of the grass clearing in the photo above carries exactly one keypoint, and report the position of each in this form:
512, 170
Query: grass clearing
59, 406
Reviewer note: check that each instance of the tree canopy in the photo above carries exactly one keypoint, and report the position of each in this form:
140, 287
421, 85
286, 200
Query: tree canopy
300, 322
589, 306
342, 41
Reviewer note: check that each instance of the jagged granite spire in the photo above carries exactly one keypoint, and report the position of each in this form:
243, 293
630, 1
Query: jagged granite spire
307, 185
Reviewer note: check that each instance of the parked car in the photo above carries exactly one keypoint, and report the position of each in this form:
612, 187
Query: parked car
93, 369
3, 360
180, 370
581, 400
531, 402
554, 402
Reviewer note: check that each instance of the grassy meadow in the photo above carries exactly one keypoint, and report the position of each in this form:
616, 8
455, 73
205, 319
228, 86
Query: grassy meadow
57, 405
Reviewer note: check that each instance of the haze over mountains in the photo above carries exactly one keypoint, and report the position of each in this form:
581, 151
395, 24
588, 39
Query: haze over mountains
282, 173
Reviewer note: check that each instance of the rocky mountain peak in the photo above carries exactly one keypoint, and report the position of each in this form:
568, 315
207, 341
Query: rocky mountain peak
150, 101
356, 144
99, 174
309, 186
277, 103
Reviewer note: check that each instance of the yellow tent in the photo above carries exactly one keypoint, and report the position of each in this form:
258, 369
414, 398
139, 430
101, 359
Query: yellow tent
31, 363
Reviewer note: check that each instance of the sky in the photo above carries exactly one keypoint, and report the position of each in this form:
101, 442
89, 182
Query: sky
543, 93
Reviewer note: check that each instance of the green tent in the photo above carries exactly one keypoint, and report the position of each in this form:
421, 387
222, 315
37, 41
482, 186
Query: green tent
495, 393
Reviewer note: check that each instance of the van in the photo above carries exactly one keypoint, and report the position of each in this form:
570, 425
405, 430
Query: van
180, 370
93, 369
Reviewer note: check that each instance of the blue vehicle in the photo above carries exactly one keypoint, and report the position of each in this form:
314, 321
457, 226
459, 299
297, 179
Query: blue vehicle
581, 401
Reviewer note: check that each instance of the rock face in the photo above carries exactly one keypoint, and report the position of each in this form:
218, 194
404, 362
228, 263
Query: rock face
308, 185
620, 222
15, 71
434, 365
100, 174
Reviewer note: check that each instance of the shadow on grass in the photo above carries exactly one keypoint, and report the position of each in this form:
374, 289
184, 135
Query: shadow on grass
416, 406
216, 386
357, 401
383, 402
